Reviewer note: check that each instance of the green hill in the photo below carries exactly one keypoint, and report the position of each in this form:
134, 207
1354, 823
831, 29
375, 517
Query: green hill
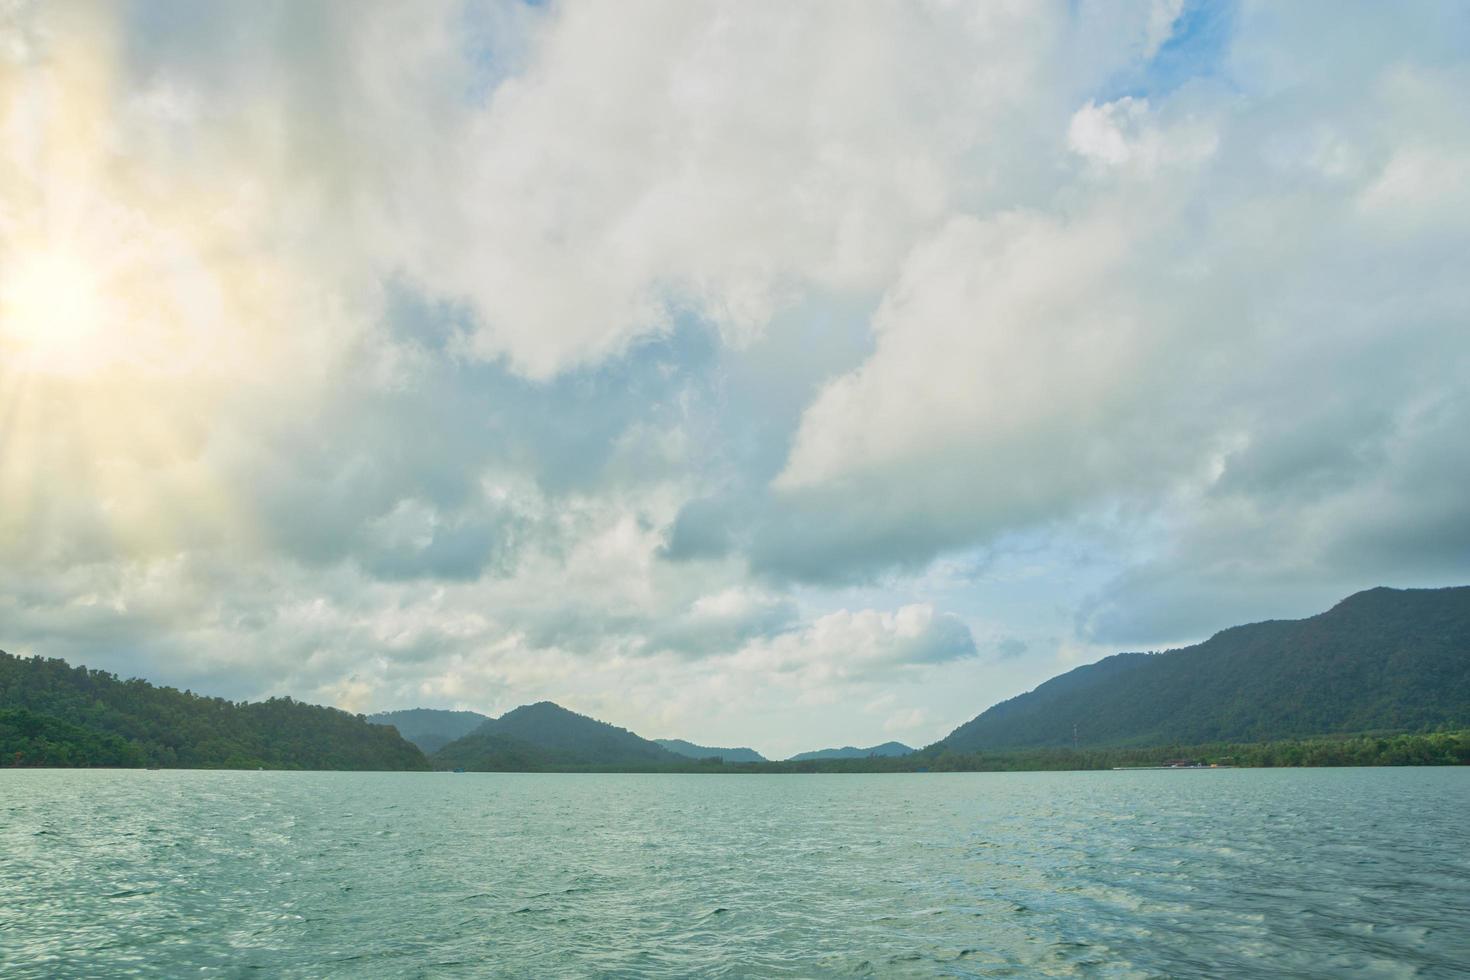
53, 714
691, 751
29, 739
887, 750
430, 728
1385, 660
548, 736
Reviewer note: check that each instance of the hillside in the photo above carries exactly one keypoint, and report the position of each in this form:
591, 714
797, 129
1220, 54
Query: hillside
430, 728
885, 751
548, 736
691, 751
53, 714
1385, 660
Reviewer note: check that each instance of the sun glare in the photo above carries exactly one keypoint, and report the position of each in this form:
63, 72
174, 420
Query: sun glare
51, 312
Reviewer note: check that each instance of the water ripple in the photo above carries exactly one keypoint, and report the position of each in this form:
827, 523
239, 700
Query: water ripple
1315, 873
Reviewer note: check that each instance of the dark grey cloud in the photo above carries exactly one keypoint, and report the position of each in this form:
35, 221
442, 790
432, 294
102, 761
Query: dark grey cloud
948, 638
723, 624
705, 527
1010, 647
1370, 504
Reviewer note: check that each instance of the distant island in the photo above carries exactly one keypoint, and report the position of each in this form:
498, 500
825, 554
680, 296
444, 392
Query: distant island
1382, 678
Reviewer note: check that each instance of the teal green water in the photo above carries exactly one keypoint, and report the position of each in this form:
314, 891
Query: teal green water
1325, 873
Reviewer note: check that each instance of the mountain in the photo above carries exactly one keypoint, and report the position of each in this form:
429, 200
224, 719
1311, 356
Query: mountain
430, 728
691, 751
548, 736
1381, 660
53, 714
852, 752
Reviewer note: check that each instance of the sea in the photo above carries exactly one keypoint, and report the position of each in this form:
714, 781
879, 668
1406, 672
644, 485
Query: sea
1197, 873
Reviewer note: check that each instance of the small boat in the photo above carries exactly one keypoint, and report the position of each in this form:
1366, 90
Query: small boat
459, 768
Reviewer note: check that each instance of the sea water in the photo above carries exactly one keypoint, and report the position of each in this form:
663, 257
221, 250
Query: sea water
1223, 873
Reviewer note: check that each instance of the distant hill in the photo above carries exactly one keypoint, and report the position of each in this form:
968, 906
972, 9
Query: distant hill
689, 750
887, 749
54, 714
548, 736
1384, 660
430, 728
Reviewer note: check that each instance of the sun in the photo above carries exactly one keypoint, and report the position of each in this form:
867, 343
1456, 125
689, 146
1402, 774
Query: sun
53, 317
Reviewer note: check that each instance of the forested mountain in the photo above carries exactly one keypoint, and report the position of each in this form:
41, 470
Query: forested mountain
884, 751
691, 751
548, 736
53, 714
430, 728
1380, 661
1385, 660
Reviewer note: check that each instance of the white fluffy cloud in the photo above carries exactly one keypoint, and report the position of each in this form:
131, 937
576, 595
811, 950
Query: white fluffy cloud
844, 643
720, 159
1122, 134
1246, 333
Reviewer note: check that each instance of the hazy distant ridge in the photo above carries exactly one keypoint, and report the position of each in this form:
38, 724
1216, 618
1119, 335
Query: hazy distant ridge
689, 750
430, 728
547, 736
886, 750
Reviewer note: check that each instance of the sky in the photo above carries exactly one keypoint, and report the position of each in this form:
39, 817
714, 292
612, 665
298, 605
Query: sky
773, 374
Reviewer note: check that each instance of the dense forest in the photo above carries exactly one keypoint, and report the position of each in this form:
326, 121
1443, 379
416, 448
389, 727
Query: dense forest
1381, 660
54, 714
29, 739
1448, 748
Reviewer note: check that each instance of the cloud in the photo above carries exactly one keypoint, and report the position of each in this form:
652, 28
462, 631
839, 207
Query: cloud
1121, 134
1299, 519
854, 644
1239, 318
725, 124
724, 621
1011, 647
667, 359
906, 721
